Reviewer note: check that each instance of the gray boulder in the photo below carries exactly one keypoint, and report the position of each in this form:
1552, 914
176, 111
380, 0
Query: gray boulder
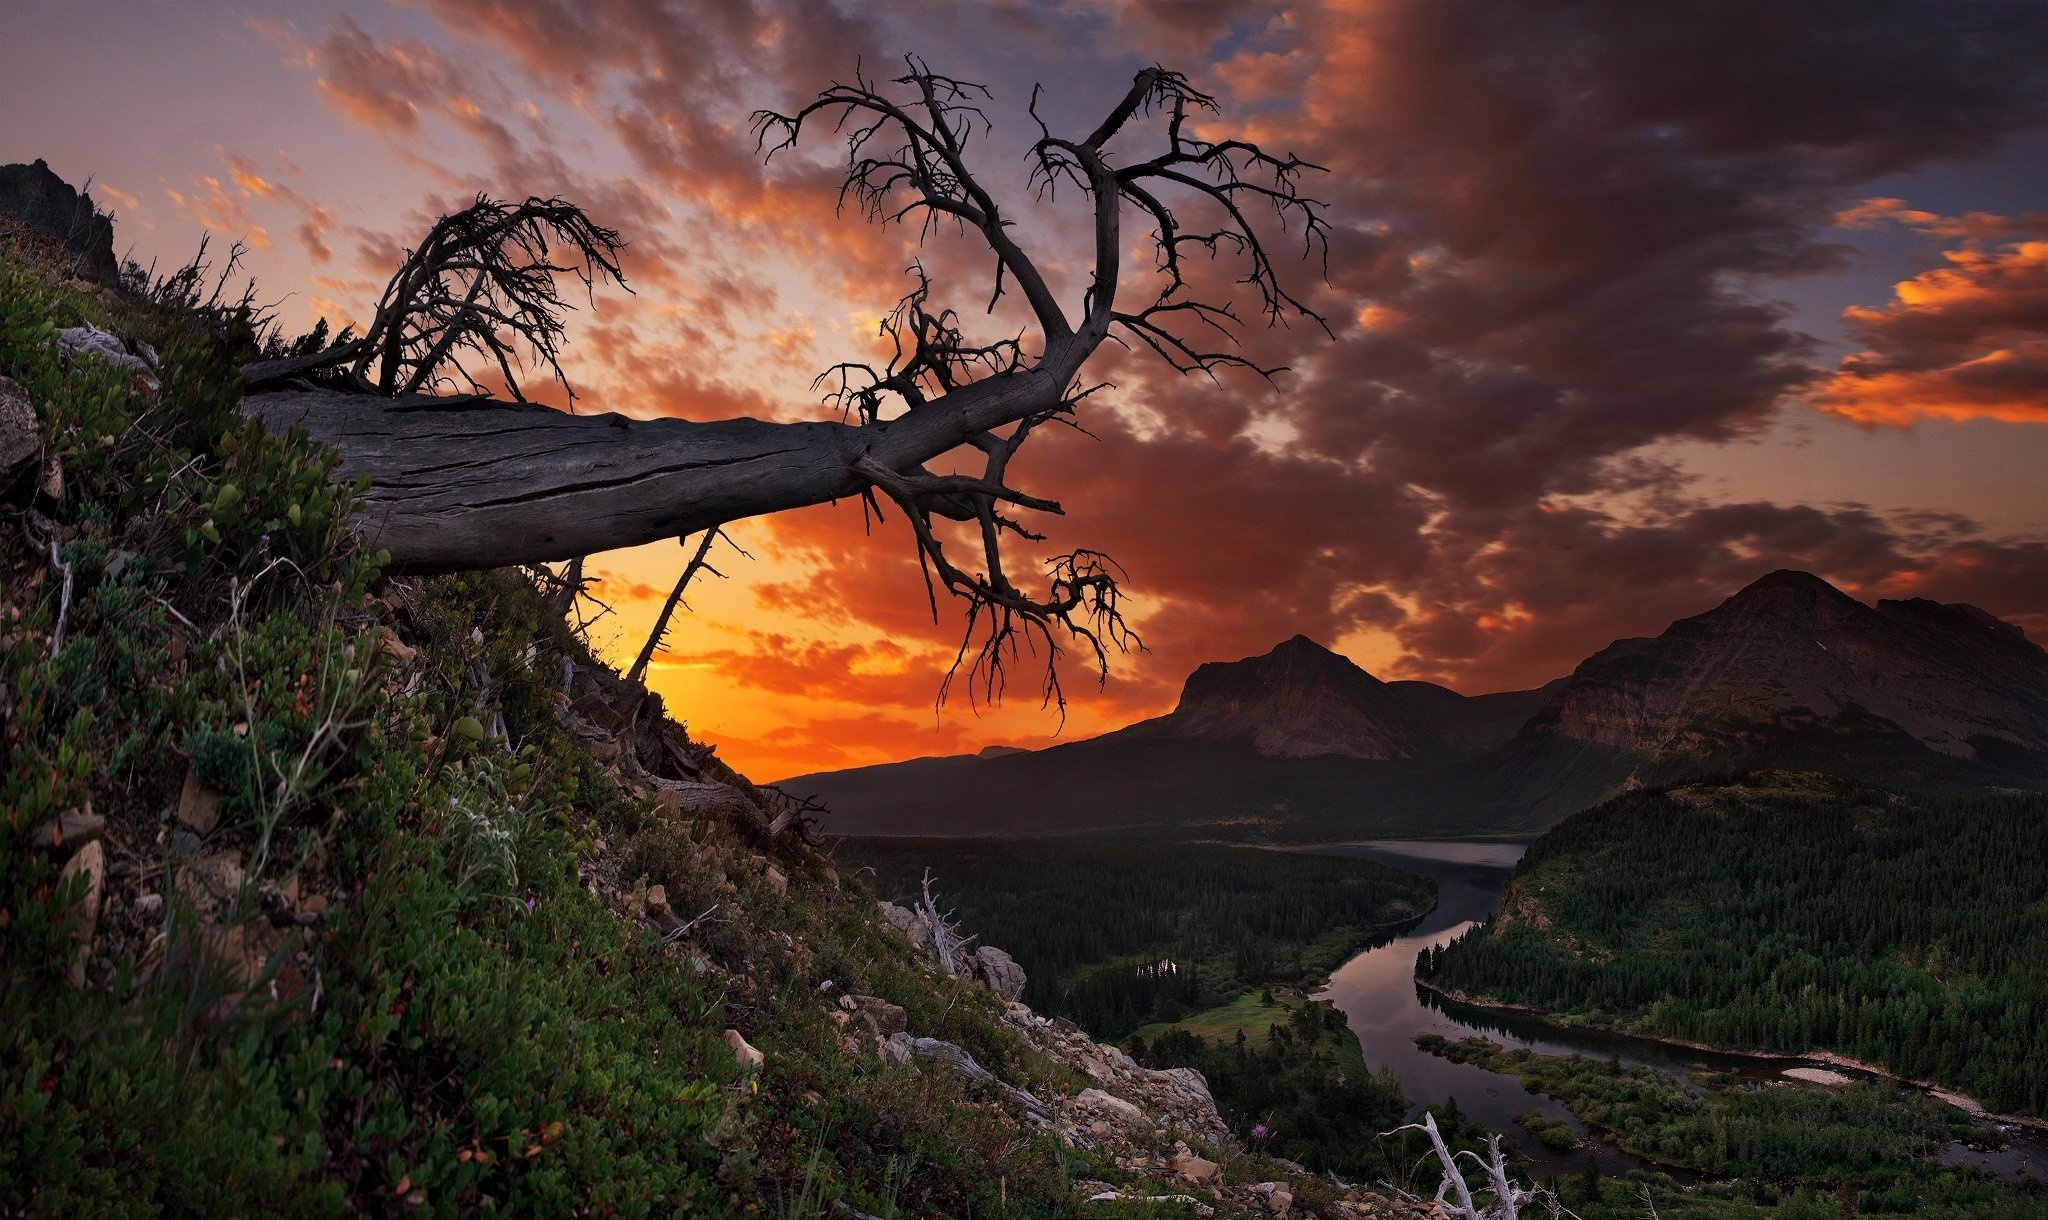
21, 437
1000, 971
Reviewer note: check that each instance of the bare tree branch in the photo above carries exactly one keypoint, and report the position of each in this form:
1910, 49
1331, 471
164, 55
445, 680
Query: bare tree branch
639, 671
1505, 1200
464, 482
483, 283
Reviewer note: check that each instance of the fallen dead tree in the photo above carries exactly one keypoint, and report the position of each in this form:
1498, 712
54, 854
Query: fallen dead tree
463, 480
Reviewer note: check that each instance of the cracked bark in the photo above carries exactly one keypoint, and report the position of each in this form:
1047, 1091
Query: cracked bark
460, 483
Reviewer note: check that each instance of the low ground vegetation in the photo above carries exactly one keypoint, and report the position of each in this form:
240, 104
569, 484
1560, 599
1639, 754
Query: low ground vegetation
311, 904
1874, 1146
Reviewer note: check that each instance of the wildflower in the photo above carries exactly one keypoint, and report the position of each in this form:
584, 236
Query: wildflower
1261, 1131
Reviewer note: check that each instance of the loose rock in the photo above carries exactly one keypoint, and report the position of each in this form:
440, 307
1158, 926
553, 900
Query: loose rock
750, 1059
1195, 1169
1000, 972
211, 881
396, 648
888, 1019
21, 437
69, 830
198, 805
91, 863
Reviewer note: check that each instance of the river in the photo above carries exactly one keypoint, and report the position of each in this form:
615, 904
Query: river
1377, 994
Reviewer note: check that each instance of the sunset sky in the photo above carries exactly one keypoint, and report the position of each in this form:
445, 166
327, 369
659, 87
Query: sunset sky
1632, 304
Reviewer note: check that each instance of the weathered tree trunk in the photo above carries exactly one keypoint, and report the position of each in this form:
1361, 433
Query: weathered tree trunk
460, 483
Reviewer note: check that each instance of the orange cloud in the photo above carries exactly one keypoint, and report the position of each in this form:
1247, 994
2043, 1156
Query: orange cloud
613, 587
213, 207
314, 220
1876, 212
118, 195
376, 85
1968, 340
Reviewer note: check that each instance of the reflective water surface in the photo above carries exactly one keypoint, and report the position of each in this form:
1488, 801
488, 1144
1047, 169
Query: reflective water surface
1376, 992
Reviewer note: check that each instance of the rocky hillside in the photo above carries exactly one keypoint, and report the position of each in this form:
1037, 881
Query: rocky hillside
1791, 654
329, 892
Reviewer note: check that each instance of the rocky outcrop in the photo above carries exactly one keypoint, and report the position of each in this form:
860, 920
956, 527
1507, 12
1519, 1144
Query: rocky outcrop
33, 195
1000, 972
1127, 1098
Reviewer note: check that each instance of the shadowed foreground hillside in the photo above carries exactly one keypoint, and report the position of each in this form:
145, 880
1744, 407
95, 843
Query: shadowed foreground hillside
327, 893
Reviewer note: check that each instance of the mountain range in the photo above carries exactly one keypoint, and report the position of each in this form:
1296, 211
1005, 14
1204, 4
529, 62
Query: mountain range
1301, 743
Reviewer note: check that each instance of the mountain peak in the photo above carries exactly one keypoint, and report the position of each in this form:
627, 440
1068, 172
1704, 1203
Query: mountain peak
1791, 659
1789, 580
1301, 699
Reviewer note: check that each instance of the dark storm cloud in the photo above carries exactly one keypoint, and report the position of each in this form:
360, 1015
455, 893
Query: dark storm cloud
1561, 229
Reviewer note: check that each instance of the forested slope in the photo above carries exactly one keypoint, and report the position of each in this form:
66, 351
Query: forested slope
1791, 913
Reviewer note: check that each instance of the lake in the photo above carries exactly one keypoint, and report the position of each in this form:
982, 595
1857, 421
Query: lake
1377, 994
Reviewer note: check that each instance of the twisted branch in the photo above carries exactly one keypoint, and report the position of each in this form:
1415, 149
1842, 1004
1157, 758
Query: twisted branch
907, 161
483, 283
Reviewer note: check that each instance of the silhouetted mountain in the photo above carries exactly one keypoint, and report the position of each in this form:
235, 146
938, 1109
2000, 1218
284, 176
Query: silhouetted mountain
1301, 743
1792, 661
1296, 733
1301, 700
